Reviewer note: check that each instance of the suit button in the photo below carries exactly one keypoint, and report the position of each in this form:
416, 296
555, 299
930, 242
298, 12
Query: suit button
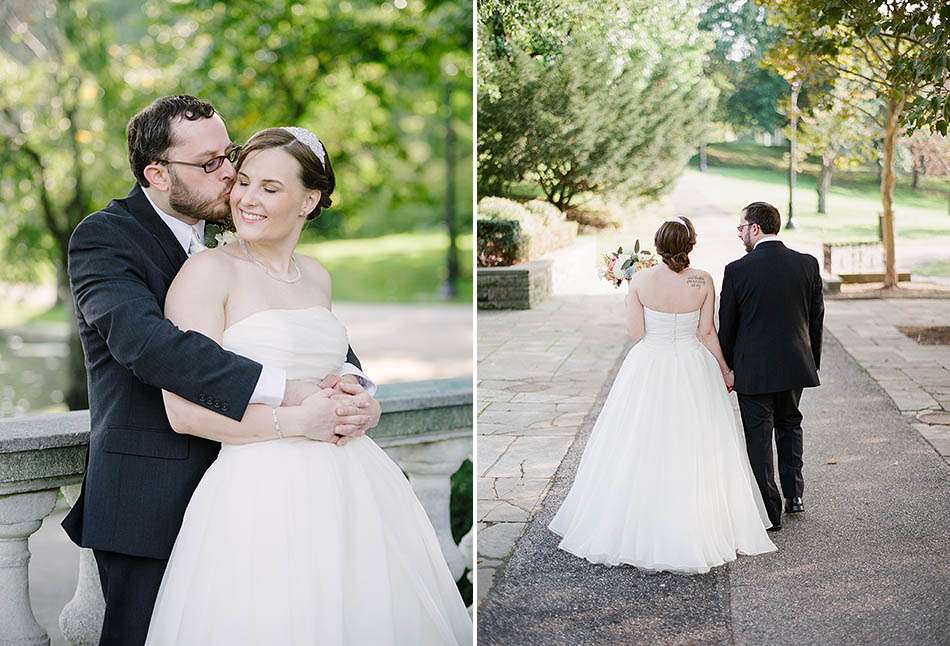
202, 397
225, 407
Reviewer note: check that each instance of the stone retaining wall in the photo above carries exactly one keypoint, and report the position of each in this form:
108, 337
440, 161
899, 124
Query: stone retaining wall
518, 287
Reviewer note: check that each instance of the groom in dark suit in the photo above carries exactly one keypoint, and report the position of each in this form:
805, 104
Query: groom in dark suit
770, 323
140, 474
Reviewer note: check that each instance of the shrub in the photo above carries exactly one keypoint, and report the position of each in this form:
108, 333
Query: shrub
500, 243
540, 228
594, 218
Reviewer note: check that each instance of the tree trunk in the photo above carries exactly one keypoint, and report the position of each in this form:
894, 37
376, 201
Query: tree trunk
450, 289
914, 177
887, 192
702, 158
792, 153
824, 184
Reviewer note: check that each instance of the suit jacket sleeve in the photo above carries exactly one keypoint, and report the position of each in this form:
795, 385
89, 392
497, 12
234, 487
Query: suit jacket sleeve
112, 296
728, 316
351, 358
816, 318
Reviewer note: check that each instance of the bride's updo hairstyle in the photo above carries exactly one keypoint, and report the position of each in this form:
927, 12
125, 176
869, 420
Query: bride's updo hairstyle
315, 175
674, 240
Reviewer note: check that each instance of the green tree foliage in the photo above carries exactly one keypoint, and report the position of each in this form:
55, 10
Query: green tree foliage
748, 91
381, 83
376, 82
898, 50
588, 96
61, 82
839, 132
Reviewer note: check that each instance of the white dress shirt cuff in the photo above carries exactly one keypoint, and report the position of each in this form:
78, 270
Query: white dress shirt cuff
365, 382
270, 387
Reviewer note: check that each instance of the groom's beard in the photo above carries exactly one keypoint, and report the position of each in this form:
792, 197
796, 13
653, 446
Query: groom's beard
747, 241
188, 204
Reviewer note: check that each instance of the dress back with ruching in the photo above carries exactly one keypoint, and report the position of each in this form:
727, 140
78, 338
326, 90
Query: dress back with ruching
665, 482
666, 328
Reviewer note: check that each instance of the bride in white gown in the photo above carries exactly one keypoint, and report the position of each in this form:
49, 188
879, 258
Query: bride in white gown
665, 482
292, 541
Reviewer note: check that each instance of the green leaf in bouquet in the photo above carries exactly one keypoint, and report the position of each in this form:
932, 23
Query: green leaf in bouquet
636, 247
619, 250
626, 264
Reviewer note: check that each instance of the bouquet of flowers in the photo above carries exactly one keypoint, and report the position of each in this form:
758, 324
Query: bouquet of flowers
620, 266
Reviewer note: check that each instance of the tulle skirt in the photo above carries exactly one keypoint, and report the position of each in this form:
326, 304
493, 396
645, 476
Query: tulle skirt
664, 483
300, 542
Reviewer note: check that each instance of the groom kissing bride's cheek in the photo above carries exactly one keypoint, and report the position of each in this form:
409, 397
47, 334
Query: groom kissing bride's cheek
231, 495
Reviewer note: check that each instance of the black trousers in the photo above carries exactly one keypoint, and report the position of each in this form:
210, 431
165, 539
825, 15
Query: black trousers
760, 415
130, 585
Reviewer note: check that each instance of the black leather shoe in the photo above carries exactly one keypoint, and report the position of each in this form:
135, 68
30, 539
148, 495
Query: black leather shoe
794, 506
774, 528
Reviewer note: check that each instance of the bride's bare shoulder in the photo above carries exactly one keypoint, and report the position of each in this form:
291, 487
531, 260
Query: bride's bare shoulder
212, 264
314, 270
644, 275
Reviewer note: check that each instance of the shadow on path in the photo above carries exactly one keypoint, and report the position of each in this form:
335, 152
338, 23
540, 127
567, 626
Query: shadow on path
866, 563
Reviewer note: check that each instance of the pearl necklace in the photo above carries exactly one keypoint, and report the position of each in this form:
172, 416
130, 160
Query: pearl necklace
293, 261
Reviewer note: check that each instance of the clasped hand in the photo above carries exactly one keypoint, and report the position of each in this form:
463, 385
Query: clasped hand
340, 408
729, 377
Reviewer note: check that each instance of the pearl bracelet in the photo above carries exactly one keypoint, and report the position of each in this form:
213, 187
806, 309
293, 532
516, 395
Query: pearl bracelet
277, 424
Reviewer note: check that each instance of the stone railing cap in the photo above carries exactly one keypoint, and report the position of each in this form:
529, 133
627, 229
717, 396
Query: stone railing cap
37, 432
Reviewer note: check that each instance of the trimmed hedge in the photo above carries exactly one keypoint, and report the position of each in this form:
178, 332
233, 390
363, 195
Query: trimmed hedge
509, 232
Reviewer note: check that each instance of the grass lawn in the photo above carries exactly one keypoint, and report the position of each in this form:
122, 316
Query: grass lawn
937, 268
738, 171
398, 268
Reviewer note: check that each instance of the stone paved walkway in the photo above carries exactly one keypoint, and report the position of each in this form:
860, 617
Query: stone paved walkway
540, 372
865, 564
916, 377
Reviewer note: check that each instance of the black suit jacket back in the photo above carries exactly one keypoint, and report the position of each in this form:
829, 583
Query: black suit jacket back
140, 474
771, 313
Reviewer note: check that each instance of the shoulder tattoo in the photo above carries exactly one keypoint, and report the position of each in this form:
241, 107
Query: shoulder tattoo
696, 281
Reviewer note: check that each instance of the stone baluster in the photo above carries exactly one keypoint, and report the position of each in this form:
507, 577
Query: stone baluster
430, 466
20, 515
81, 619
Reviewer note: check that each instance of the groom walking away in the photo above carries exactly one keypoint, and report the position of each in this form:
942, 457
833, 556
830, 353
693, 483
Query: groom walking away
770, 322
140, 474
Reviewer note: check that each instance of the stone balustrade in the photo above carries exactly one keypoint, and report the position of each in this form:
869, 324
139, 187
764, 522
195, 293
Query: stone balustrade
426, 427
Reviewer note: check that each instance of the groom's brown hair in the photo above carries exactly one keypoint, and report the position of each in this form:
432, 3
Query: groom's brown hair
765, 215
149, 133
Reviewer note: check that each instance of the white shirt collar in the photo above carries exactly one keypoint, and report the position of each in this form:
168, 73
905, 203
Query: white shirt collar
181, 230
765, 238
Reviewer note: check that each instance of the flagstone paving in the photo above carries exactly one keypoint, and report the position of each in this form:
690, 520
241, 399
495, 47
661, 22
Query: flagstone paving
540, 372
865, 564
916, 377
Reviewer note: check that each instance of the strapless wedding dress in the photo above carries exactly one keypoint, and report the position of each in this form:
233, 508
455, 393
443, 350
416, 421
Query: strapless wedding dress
665, 482
300, 542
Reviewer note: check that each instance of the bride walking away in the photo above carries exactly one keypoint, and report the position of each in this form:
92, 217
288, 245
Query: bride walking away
665, 482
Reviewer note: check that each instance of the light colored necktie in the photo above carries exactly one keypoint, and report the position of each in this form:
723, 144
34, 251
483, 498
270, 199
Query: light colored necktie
196, 245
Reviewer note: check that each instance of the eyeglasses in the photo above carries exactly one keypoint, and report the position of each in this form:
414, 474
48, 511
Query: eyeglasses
743, 226
212, 164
